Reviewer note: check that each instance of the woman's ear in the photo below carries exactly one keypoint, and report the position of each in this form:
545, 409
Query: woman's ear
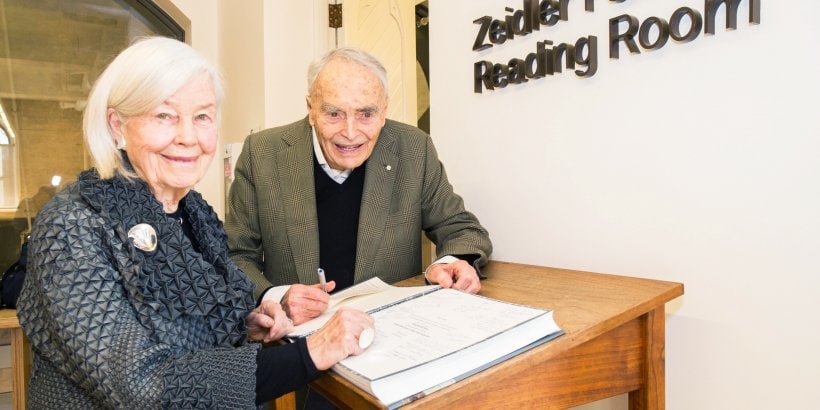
115, 123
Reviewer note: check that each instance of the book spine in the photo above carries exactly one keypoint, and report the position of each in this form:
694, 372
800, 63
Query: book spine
396, 302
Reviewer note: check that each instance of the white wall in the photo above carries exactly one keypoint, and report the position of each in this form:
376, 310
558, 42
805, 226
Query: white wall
241, 59
292, 41
694, 163
263, 49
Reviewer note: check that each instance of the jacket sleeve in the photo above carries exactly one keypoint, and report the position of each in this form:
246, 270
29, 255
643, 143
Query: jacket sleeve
242, 222
81, 323
447, 223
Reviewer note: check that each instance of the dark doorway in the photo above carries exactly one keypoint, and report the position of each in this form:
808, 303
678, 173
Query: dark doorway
423, 65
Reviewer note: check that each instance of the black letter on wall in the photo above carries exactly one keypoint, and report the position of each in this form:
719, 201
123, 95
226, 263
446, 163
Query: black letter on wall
628, 37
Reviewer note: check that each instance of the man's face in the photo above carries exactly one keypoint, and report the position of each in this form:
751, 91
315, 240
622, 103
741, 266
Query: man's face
347, 109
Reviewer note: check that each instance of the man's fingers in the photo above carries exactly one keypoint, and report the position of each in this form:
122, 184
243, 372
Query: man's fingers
305, 302
440, 275
305, 309
468, 284
457, 275
330, 286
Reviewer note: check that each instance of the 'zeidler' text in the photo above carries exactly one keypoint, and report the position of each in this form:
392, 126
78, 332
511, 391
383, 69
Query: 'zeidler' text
549, 58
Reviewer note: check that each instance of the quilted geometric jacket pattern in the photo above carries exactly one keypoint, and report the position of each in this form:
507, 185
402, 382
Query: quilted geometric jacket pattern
113, 326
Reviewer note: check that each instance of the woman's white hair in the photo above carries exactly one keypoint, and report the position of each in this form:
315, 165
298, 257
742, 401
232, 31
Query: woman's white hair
356, 55
139, 79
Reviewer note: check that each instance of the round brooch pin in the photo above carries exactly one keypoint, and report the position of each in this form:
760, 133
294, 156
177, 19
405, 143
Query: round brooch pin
144, 237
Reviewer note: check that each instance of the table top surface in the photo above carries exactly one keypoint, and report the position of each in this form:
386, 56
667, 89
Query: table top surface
586, 305
8, 319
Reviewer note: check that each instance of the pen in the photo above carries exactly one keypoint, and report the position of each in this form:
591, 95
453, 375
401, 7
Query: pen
321, 273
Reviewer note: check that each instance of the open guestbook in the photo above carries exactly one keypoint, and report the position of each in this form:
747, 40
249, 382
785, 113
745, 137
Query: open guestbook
428, 337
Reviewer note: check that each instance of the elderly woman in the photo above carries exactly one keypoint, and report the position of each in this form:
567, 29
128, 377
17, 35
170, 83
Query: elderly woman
131, 300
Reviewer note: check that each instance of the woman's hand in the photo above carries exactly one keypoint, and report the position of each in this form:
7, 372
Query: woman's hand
338, 338
268, 322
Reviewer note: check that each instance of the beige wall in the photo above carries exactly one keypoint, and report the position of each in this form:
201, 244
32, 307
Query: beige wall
263, 49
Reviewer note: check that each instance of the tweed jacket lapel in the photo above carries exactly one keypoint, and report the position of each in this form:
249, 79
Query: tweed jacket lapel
378, 191
295, 169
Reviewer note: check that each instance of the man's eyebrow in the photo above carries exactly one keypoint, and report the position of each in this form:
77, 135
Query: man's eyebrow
325, 107
368, 109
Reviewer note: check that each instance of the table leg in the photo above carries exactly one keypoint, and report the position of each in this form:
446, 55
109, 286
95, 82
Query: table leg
652, 394
285, 402
20, 365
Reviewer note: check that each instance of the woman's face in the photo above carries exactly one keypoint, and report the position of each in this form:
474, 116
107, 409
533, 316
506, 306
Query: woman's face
172, 145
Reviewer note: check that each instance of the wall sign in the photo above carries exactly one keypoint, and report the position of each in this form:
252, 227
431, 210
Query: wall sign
547, 58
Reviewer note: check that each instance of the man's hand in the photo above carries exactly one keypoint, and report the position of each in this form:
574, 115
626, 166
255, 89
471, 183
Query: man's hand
304, 302
457, 275
268, 322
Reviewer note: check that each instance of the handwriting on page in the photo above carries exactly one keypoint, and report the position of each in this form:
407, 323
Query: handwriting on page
365, 296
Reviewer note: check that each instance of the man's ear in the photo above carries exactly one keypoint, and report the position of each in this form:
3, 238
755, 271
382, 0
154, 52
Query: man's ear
310, 113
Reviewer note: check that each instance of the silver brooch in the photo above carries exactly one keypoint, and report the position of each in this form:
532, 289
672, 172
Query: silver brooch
144, 237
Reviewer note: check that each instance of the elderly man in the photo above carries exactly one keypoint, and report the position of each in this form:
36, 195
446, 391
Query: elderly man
348, 191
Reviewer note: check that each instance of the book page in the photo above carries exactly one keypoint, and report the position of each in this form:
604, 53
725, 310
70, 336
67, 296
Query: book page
427, 328
370, 286
412, 384
368, 296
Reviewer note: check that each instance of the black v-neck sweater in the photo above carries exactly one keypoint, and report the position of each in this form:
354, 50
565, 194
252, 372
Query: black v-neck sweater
338, 206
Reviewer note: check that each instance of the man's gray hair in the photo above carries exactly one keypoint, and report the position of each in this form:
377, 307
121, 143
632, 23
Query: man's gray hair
356, 55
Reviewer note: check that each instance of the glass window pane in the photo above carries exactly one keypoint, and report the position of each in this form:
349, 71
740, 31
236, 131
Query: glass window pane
51, 51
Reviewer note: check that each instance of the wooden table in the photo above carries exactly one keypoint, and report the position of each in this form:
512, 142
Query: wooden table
614, 344
20, 357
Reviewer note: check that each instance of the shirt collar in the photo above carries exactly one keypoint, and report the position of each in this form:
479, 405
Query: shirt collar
338, 176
